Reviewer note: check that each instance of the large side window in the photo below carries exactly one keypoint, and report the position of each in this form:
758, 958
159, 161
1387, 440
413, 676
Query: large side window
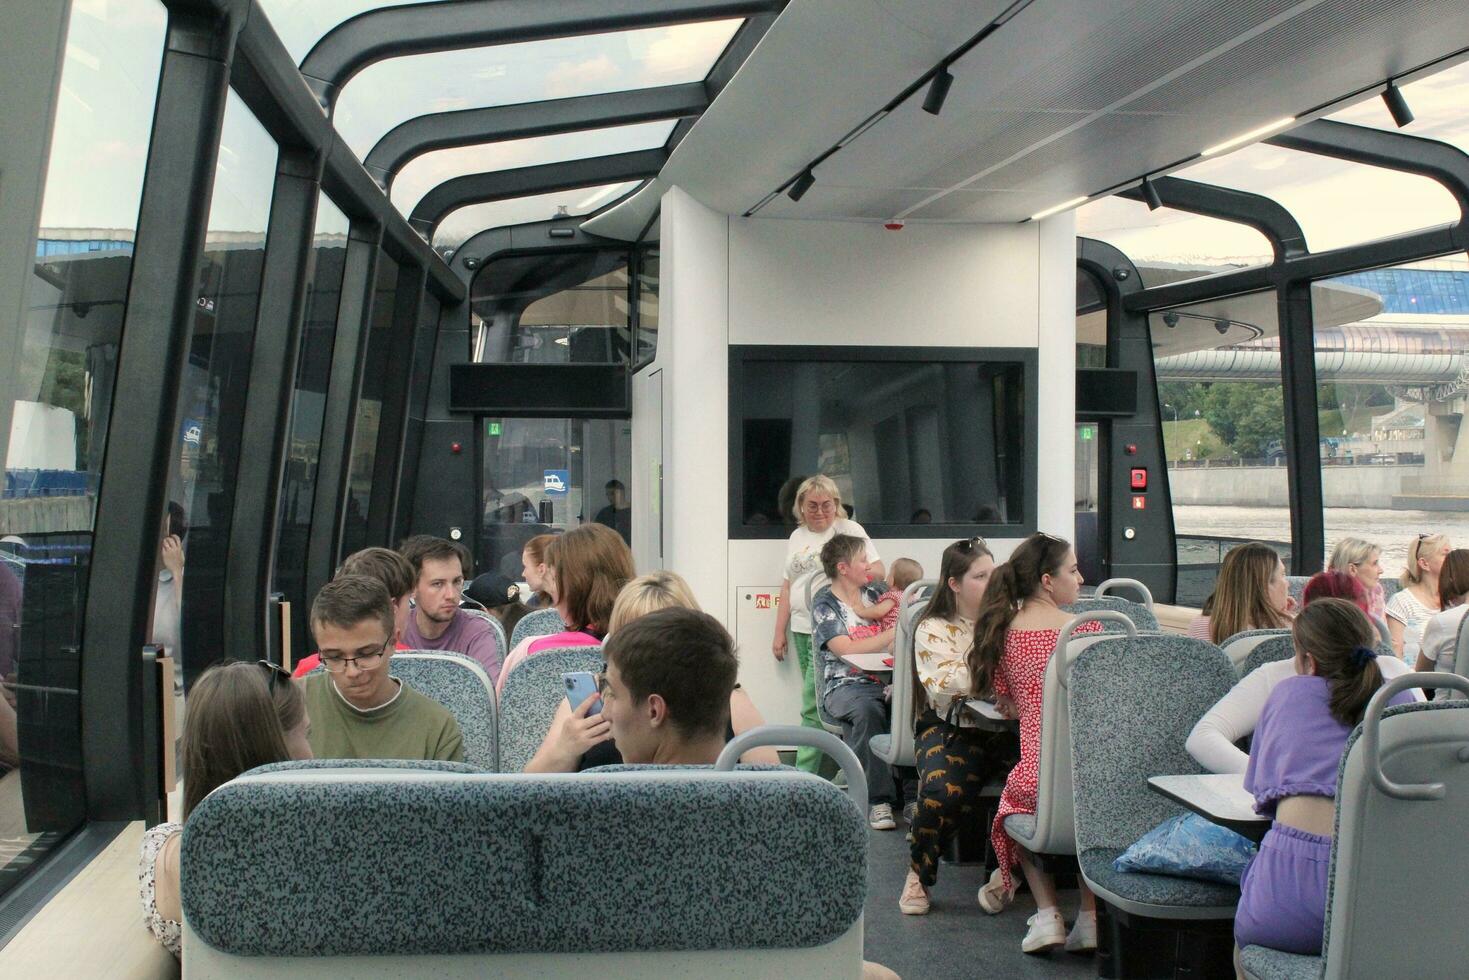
370, 405
60, 387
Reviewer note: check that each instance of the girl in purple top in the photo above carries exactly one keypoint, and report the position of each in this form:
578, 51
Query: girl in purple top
1298, 746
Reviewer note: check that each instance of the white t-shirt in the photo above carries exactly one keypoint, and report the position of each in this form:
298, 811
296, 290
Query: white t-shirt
1440, 634
1235, 715
1413, 614
803, 560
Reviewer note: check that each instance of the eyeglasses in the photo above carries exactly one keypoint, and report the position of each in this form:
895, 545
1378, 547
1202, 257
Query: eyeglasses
816, 507
365, 661
274, 672
975, 542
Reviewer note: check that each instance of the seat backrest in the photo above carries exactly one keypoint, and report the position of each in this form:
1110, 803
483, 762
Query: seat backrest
1126, 588
540, 622
915, 600
1296, 585
1268, 650
1239, 646
1142, 616
495, 625
530, 872
461, 685
1390, 587
1403, 767
532, 692
1133, 702
1055, 819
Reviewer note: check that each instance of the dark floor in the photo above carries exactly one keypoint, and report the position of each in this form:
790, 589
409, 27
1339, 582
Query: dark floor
956, 938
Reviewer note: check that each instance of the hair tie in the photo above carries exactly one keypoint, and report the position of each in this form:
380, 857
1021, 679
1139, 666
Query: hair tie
1362, 656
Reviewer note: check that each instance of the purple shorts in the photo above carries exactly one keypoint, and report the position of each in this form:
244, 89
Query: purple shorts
1282, 902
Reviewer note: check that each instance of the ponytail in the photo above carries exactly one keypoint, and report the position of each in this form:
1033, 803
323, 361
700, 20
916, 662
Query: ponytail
996, 611
1339, 638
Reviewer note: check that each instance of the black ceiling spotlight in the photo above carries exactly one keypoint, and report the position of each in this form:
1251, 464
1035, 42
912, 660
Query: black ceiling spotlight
1151, 195
938, 91
801, 185
1222, 325
1397, 105
1170, 320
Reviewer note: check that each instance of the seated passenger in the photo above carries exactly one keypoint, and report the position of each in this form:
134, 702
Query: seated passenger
1250, 594
589, 565
1362, 560
239, 716
1292, 775
854, 697
1233, 718
1441, 632
955, 759
359, 709
1336, 585
578, 740
882, 615
394, 572
1408, 611
1016, 631
536, 570
437, 623
499, 597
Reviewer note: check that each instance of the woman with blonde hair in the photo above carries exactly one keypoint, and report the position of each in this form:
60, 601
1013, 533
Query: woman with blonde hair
582, 739
1362, 560
1416, 603
820, 517
1250, 594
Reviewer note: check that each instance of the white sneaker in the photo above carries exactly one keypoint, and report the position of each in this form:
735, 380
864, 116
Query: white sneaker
1083, 935
1047, 932
993, 897
880, 817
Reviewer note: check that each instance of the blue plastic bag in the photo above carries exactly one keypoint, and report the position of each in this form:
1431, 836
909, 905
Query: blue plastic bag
1189, 847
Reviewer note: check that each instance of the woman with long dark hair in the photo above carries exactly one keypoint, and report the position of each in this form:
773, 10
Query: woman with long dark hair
1015, 633
955, 759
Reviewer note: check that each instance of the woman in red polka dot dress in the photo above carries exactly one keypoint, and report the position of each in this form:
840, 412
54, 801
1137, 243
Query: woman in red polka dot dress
1019, 622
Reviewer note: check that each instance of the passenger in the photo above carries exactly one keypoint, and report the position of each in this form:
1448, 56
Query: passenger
1251, 594
536, 570
1019, 622
395, 573
1292, 775
237, 718
817, 504
882, 615
437, 623
500, 597
618, 513
589, 565
1214, 740
955, 759
1441, 632
1362, 560
854, 697
1336, 585
1410, 608
578, 741
168, 599
360, 710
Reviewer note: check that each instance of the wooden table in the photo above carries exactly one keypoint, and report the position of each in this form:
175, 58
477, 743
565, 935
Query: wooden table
1217, 797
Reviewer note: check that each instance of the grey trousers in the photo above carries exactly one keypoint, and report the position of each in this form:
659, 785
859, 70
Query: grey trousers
863, 712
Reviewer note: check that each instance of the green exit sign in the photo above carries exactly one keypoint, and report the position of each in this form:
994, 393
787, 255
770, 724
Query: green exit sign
1087, 433
492, 428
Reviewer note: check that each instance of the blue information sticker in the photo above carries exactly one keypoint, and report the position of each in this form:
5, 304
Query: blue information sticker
556, 482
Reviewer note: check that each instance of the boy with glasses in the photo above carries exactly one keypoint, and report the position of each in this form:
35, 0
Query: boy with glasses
358, 709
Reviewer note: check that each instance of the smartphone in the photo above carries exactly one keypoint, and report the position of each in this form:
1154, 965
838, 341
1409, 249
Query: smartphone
581, 685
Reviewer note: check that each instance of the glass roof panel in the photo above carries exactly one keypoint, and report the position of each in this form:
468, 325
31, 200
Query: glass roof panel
1337, 203
301, 23
398, 89
465, 222
1440, 104
431, 169
1168, 245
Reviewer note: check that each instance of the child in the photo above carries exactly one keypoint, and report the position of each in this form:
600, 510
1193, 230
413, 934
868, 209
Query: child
1297, 748
882, 615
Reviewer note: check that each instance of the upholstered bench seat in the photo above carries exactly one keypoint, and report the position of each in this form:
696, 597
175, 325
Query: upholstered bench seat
1154, 895
1261, 963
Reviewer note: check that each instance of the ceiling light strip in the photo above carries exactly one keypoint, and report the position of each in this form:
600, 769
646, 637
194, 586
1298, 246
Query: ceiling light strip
1249, 137
1064, 205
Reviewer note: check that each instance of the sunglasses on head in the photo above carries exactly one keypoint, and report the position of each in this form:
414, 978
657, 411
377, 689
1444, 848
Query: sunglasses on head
968, 545
274, 672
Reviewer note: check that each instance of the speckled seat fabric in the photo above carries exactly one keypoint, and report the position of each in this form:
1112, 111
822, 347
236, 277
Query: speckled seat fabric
1272, 964
317, 765
1267, 651
1133, 702
515, 869
1239, 646
1142, 617
541, 622
461, 685
532, 692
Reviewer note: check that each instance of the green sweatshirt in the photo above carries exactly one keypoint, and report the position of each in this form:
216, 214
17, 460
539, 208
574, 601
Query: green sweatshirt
411, 726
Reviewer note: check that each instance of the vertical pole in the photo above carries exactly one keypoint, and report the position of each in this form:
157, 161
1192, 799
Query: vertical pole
1302, 429
388, 461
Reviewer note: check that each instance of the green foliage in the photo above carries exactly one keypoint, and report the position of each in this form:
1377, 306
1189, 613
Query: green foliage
1245, 417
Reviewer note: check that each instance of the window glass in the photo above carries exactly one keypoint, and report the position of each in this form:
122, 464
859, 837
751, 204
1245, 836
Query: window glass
1220, 396
546, 476
426, 172
549, 308
390, 92
1390, 383
647, 328
59, 390
308, 403
1438, 102
301, 23
1091, 322
188, 609
460, 225
370, 405
907, 442
1168, 245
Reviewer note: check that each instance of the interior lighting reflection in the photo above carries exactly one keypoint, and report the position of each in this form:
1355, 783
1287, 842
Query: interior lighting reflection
1249, 137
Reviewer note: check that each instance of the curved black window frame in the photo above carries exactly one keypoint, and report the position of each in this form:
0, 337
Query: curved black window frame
739, 409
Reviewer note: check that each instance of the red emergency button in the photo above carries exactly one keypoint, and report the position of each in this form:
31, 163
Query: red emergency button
1139, 478
1139, 503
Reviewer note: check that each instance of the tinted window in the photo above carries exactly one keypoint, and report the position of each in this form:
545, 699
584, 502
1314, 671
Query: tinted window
370, 405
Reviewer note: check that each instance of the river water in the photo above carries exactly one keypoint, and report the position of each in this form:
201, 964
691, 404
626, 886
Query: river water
1392, 530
